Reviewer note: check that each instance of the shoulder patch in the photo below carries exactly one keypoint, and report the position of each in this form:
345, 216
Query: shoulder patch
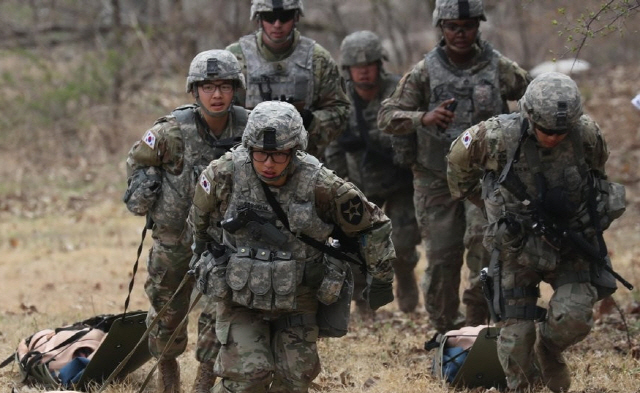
467, 137
150, 139
352, 214
205, 184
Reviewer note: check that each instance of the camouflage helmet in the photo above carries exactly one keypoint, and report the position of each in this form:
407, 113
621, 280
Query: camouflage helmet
258, 6
216, 64
274, 125
552, 101
457, 9
361, 47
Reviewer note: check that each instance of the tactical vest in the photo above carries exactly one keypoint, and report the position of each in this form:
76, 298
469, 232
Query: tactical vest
370, 167
262, 275
172, 208
565, 185
269, 80
477, 91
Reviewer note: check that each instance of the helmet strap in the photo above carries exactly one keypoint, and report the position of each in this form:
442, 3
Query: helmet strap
212, 113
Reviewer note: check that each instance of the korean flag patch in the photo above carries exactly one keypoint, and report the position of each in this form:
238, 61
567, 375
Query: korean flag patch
204, 183
150, 139
466, 139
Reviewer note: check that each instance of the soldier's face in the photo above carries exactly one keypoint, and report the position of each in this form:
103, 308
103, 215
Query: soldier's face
460, 34
549, 140
271, 168
216, 96
276, 31
364, 76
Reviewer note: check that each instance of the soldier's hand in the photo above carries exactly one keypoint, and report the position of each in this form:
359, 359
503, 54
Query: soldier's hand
439, 116
378, 293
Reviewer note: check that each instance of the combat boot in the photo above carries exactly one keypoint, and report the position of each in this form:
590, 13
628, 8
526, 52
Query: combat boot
555, 372
205, 378
406, 287
168, 376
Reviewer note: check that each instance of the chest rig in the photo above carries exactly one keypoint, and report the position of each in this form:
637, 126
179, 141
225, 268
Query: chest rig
288, 79
260, 273
200, 148
369, 150
556, 178
477, 91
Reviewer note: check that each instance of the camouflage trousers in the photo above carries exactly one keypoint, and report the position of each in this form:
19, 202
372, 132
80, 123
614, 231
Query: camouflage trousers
569, 318
261, 353
167, 265
447, 227
405, 236
208, 345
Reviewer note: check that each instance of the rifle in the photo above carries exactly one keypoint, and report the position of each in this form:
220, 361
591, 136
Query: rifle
555, 234
258, 226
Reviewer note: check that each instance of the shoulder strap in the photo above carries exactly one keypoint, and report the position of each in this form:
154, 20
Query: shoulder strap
334, 252
510, 180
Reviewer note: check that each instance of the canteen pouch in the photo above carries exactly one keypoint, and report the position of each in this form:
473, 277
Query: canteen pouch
334, 278
333, 319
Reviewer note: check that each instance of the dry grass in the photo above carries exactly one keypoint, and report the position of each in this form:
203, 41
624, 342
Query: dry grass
76, 263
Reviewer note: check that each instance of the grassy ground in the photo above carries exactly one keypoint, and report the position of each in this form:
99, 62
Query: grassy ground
64, 266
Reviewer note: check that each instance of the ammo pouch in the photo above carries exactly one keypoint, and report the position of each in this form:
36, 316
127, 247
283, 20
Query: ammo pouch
610, 199
538, 254
263, 279
213, 282
336, 288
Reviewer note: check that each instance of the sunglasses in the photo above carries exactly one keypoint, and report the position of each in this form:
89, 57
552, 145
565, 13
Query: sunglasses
455, 28
549, 132
281, 15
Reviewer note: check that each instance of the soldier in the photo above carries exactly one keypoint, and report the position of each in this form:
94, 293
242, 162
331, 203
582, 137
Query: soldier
364, 155
163, 168
266, 322
542, 168
281, 64
464, 71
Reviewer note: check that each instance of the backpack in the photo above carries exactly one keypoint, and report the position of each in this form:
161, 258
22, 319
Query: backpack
468, 357
85, 352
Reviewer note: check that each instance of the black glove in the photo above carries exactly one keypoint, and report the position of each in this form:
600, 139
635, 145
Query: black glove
377, 293
307, 118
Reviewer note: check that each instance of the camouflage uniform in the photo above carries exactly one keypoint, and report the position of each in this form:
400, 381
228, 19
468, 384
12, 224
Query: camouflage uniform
304, 75
525, 259
447, 226
367, 161
266, 321
174, 152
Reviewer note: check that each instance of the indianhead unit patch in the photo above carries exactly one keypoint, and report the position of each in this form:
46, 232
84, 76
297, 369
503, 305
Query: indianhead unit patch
352, 210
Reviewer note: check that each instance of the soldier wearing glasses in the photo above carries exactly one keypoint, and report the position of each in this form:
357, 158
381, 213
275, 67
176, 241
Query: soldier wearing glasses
163, 168
267, 281
281, 64
466, 72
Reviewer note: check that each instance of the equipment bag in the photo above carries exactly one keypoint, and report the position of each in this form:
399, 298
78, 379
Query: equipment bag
85, 352
468, 357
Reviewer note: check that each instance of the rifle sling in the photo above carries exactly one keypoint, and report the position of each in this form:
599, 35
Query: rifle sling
322, 247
